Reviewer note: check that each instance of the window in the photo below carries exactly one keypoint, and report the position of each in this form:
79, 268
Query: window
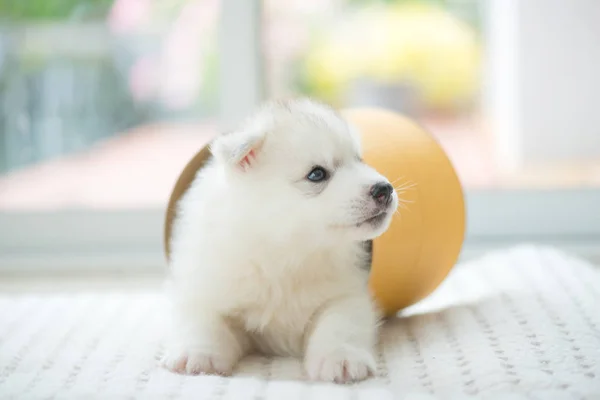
102, 103
503, 86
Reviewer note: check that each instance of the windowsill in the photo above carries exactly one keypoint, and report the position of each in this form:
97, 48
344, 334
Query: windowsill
72, 282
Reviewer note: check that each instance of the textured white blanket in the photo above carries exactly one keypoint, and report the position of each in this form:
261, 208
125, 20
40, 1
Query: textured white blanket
524, 322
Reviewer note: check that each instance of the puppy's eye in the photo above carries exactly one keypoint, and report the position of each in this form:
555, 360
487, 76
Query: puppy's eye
317, 174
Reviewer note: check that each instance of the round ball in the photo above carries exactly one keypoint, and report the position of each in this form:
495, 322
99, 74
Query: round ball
425, 236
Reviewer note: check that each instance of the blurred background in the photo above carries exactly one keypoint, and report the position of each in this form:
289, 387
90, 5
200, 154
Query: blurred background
102, 102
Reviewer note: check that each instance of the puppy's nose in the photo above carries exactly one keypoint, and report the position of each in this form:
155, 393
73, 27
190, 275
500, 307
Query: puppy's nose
382, 193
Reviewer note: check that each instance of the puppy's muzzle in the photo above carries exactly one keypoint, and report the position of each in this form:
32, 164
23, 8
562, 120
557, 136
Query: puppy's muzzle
381, 192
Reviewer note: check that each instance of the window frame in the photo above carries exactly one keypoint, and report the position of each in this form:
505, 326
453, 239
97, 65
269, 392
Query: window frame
132, 240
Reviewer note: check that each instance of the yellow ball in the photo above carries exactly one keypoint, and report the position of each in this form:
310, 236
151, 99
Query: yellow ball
425, 237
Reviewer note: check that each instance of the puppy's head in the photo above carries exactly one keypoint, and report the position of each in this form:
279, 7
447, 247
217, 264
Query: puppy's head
296, 168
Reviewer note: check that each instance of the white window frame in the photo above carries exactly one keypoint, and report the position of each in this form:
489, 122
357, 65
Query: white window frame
131, 240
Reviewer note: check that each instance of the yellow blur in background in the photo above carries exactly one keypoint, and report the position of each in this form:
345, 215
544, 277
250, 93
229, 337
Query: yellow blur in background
418, 44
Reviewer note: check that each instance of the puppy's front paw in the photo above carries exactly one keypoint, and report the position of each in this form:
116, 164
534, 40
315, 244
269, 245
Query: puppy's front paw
196, 363
341, 366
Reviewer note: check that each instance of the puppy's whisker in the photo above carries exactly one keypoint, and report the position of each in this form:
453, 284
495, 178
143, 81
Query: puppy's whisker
407, 183
400, 191
401, 178
402, 203
406, 201
405, 186
396, 180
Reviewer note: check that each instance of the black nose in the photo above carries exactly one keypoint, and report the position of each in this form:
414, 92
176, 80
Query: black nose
382, 193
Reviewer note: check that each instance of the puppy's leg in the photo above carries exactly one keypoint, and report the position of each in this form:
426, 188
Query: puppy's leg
202, 342
341, 345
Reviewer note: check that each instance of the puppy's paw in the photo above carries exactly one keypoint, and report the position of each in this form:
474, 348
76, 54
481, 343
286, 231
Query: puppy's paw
197, 363
341, 366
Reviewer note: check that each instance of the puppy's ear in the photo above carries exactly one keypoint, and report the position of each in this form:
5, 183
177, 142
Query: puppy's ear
239, 149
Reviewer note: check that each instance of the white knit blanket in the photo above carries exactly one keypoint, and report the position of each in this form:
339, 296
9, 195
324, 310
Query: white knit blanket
524, 322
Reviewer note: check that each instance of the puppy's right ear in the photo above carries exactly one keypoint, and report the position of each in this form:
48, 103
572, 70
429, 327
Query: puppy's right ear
239, 149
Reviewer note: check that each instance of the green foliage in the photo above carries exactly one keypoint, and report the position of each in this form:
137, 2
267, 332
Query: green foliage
44, 10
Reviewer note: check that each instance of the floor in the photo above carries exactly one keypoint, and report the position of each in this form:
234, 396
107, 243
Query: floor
137, 169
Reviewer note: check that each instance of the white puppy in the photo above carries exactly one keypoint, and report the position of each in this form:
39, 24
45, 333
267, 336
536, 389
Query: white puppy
270, 248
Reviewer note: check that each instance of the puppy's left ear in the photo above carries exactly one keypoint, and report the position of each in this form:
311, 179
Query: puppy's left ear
239, 149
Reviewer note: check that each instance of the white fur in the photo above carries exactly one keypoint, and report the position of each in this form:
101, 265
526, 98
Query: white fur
263, 259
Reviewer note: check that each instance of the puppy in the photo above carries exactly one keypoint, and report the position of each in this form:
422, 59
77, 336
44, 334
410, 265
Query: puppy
270, 248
